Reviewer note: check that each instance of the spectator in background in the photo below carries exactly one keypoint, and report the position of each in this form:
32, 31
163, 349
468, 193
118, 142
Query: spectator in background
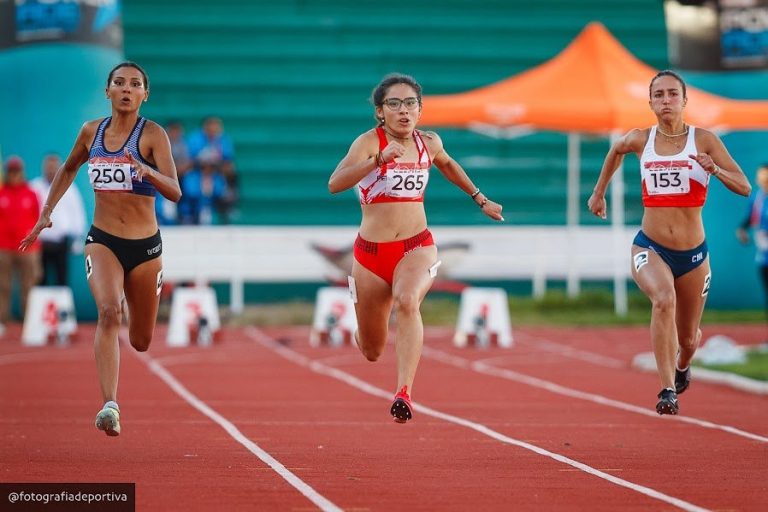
179, 147
202, 189
167, 211
68, 228
757, 220
19, 208
212, 145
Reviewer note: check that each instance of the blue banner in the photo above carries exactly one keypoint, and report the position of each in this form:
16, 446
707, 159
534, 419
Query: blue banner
744, 33
24, 22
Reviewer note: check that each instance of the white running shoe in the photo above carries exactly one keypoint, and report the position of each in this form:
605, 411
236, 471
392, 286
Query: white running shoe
108, 420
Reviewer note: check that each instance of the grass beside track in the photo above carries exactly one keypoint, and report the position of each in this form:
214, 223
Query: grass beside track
756, 366
591, 308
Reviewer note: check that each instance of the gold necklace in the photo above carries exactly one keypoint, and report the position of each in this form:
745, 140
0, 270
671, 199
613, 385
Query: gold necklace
658, 129
669, 137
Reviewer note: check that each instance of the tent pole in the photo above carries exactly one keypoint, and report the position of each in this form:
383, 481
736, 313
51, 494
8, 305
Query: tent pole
574, 161
617, 228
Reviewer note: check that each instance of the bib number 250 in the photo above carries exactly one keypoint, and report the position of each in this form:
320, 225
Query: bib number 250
106, 175
110, 176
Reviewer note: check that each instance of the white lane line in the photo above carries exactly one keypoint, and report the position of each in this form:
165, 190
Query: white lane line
269, 343
341, 359
322, 502
193, 358
568, 351
546, 345
486, 368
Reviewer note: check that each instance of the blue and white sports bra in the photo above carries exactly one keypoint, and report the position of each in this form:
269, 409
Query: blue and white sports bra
111, 171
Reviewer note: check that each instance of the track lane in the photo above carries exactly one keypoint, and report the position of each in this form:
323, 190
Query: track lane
602, 436
341, 441
178, 459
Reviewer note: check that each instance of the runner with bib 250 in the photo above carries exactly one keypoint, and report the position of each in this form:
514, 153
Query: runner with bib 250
129, 161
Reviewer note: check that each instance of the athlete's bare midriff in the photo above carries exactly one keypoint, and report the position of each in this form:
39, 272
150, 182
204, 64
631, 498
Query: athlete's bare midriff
125, 215
386, 222
678, 228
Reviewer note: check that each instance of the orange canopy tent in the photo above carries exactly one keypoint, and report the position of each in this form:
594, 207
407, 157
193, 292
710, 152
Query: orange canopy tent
594, 85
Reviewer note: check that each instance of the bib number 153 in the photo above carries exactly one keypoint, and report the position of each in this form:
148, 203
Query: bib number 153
668, 181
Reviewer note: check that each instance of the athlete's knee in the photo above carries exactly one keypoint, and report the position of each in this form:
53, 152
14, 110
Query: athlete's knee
110, 315
371, 352
689, 339
407, 303
140, 342
664, 302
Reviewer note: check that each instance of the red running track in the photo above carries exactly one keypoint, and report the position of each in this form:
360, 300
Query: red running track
261, 421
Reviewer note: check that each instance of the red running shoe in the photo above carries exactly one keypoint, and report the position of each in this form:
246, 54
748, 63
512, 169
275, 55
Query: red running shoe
401, 409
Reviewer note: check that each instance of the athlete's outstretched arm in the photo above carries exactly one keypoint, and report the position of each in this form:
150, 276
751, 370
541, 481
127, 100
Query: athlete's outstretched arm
62, 181
456, 174
631, 142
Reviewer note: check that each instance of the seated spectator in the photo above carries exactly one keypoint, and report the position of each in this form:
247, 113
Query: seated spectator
166, 211
179, 147
213, 145
202, 189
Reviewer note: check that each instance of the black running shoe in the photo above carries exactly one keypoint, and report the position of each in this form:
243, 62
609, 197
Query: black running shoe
682, 380
667, 402
401, 409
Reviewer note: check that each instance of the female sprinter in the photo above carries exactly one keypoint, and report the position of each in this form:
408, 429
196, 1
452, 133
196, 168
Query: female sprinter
395, 255
670, 256
129, 161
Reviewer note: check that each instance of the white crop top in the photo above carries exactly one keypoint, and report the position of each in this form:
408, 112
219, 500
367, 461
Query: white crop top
675, 180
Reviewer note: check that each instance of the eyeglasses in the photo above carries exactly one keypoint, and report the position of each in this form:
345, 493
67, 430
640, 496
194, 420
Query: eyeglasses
395, 103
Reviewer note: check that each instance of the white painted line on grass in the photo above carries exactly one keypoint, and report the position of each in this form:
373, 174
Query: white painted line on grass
486, 368
322, 502
647, 362
269, 343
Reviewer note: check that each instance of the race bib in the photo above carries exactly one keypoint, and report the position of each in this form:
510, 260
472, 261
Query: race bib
668, 178
406, 182
110, 176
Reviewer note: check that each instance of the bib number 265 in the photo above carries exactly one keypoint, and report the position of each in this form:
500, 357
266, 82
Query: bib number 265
409, 182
